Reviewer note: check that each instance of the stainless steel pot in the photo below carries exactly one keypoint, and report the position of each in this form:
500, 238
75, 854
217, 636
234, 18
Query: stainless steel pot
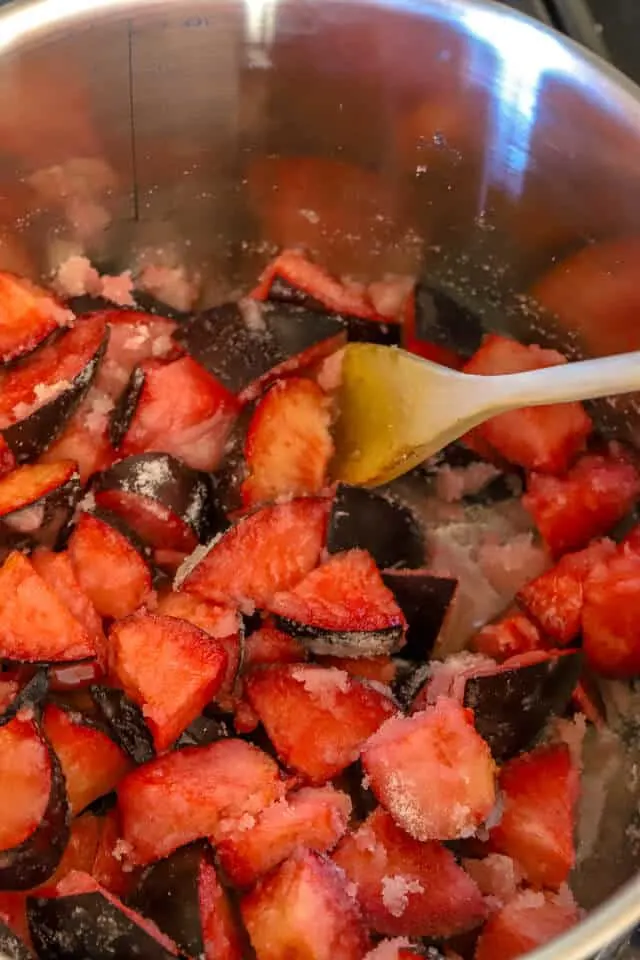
450, 128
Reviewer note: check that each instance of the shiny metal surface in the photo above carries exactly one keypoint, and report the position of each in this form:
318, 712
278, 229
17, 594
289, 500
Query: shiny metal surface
387, 136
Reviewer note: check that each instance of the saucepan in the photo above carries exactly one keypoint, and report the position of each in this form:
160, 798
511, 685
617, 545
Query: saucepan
454, 139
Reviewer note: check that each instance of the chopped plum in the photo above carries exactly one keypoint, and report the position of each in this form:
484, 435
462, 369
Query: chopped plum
405, 887
266, 552
540, 791
432, 772
303, 909
247, 345
555, 599
182, 410
343, 608
29, 315
528, 921
91, 762
317, 718
545, 439
288, 445
585, 503
192, 793
169, 667
108, 567
35, 625
34, 828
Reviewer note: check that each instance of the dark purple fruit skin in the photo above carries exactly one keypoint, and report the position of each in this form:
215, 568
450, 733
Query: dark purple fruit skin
11, 946
31, 695
189, 494
359, 330
203, 731
167, 893
30, 437
511, 708
87, 925
125, 408
221, 340
232, 472
424, 600
370, 521
144, 303
442, 316
343, 643
125, 722
59, 508
34, 860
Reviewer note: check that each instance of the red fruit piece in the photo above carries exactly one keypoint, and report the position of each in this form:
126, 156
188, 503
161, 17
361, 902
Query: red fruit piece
432, 772
555, 598
91, 762
303, 909
85, 438
345, 594
25, 781
310, 278
108, 567
540, 791
408, 888
57, 572
31, 484
270, 550
288, 445
170, 668
510, 637
50, 371
316, 718
109, 868
610, 634
192, 793
314, 818
594, 495
184, 411
270, 645
221, 937
28, 314
537, 438
34, 623
526, 922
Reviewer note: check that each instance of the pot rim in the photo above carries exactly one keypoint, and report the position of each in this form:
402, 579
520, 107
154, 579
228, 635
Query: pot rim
23, 20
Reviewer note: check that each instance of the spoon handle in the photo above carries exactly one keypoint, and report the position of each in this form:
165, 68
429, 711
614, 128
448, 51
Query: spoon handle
583, 380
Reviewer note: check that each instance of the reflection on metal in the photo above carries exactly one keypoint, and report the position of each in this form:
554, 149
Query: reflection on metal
525, 56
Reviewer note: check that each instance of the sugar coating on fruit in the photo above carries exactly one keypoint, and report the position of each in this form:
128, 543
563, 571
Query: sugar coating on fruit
395, 893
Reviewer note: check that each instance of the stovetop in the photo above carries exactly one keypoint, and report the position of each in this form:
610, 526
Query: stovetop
611, 28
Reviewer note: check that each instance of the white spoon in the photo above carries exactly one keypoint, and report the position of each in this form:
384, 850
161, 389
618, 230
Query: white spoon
395, 409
